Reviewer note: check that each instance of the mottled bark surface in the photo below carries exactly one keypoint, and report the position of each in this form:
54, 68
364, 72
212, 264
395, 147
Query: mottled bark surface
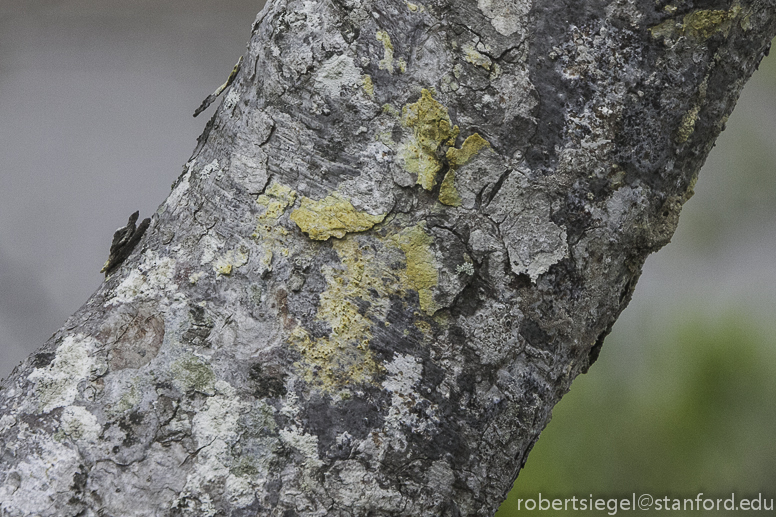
406, 230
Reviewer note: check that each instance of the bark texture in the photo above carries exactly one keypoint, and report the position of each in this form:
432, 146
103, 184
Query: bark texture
406, 230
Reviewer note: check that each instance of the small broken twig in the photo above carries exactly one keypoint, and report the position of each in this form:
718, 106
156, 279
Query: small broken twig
210, 98
124, 241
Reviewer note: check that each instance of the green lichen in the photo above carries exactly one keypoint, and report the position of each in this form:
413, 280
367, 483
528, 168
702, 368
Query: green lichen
687, 127
369, 86
422, 272
448, 194
699, 25
344, 357
191, 373
390, 110
225, 264
472, 56
431, 128
276, 198
471, 146
332, 216
703, 24
387, 62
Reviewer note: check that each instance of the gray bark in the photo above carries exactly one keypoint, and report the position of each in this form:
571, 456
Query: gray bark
406, 230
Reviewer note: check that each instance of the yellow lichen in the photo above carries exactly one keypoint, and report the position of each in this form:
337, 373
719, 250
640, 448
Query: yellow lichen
387, 62
422, 272
276, 198
687, 126
699, 25
448, 194
475, 58
369, 86
332, 216
432, 128
471, 146
344, 357
703, 24
225, 264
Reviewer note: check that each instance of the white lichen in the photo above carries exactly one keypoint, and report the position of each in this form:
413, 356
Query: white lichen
152, 277
336, 72
56, 385
80, 425
506, 16
305, 443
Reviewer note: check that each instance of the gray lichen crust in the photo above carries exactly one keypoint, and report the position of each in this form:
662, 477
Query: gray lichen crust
406, 230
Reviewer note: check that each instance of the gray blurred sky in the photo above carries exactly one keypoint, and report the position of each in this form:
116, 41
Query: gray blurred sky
96, 103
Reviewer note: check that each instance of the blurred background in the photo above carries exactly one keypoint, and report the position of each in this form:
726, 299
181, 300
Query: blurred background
96, 103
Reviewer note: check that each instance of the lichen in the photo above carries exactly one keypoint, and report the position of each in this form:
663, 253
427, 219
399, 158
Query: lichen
699, 25
431, 128
475, 58
56, 385
466, 268
687, 127
471, 146
191, 373
703, 24
332, 216
456, 158
369, 86
506, 16
422, 272
336, 72
276, 198
78, 424
343, 357
387, 62
305, 443
225, 264
448, 194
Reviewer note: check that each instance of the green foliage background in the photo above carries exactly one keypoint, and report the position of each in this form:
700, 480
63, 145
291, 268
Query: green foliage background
682, 398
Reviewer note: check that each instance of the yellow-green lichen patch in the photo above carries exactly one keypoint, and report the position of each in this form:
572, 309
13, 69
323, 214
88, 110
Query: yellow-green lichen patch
699, 25
225, 264
422, 272
473, 144
387, 62
276, 198
344, 356
687, 126
369, 86
191, 373
431, 128
703, 24
448, 194
472, 56
332, 216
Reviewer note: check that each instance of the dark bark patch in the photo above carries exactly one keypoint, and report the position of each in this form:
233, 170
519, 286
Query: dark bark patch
139, 343
268, 381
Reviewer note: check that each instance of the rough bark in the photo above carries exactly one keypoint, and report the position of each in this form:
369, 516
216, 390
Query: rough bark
406, 230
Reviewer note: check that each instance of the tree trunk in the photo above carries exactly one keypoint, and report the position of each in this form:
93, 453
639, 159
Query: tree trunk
406, 230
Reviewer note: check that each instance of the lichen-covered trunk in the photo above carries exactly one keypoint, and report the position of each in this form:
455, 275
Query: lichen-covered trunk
406, 230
